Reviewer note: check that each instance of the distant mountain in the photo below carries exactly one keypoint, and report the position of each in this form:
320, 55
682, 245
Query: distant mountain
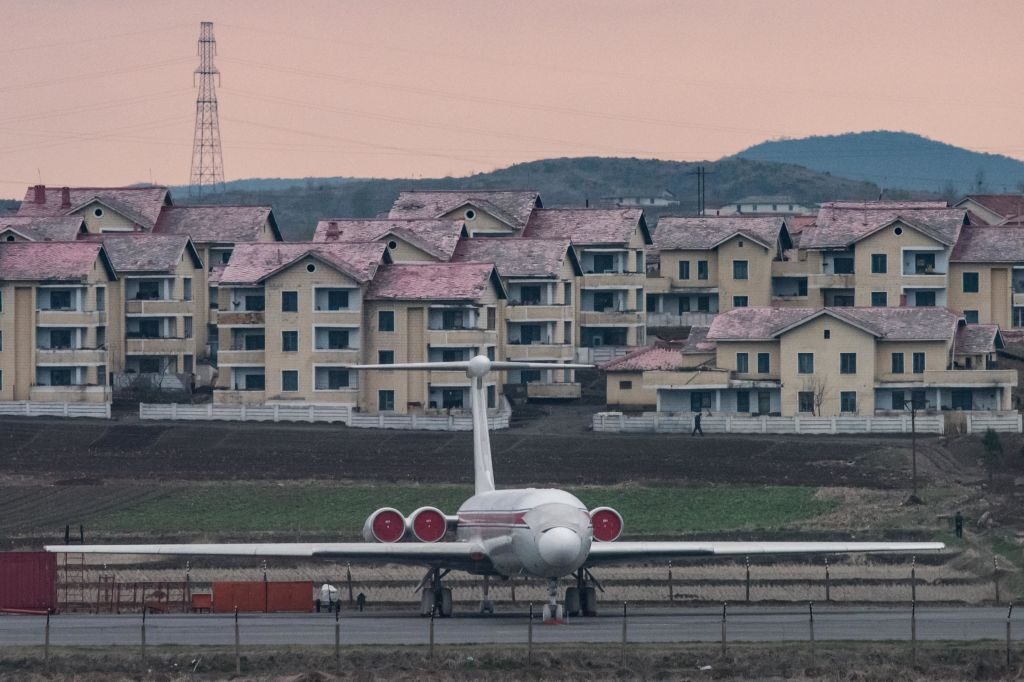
893, 159
251, 184
561, 182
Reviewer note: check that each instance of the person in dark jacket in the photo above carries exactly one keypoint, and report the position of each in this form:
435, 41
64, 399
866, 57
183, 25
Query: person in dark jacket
958, 524
696, 425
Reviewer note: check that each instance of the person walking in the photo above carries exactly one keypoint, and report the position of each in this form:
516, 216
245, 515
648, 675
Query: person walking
958, 524
696, 425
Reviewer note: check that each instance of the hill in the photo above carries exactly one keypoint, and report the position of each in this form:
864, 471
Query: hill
561, 182
896, 159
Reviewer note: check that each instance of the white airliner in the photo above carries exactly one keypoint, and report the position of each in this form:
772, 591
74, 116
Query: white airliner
542, 533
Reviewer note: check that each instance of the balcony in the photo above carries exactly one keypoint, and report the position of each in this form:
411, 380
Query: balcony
71, 356
538, 313
611, 317
462, 337
158, 345
930, 280
453, 378
829, 281
696, 319
791, 268
966, 378
239, 356
608, 279
81, 318
241, 318
539, 351
657, 285
159, 307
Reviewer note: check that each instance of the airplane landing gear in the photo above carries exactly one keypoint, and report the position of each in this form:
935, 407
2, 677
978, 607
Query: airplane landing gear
582, 599
553, 613
486, 605
435, 597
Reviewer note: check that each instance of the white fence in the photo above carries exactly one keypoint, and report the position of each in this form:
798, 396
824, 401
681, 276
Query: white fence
980, 422
675, 422
342, 414
36, 408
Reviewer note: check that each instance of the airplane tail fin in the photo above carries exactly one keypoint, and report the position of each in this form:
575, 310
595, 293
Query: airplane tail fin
476, 369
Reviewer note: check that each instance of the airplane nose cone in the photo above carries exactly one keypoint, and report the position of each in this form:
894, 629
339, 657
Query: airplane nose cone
559, 546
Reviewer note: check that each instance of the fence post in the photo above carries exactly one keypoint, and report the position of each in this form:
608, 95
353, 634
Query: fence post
348, 579
277, 413
238, 647
724, 608
209, 411
913, 633
671, 587
828, 582
529, 639
764, 424
242, 412
1009, 633
46, 641
995, 576
432, 610
747, 559
337, 636
143, 634
810, 614
913, 578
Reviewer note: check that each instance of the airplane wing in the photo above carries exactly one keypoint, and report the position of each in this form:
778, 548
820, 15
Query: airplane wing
619, 552
448, 554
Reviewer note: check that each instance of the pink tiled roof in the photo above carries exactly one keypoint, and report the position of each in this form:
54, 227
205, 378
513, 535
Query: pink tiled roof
148, 252
252, 262
707, 233
512, 207
587, 226
1005, 205
976, 339
435, 237
892, 324
989, 245
44, 229
432, 281
54, 261
841, 223
142, 205
516, 257
697, 342
217, 223
663, 355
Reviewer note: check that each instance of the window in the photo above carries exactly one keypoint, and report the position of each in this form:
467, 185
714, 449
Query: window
917, 400
98, 212
897, 363
454, 319
625, 385
148, 329
700, 400
101, 298
879, 299
386, 320
492, 318
310, 267
490, 353
970, 282
385, 401
60, 300
336, 379
254, 342
924, 263
452, 355
743, 401
702, 269
604, 262
742, 363
879, 263
826, 334
255, 302
739, 269
337, 300
189, 363
1, 301
806, 400
739, 301
684, 269
451, 398
898, 400
848, 401
805, 363
255, 382
971, 316
1, 341
337, 339
763, 363
843, 265
148, 290
703, 304
842, 300
567, 293
470, 214
847, 363
918, 363
101, 375
60, 338
225, 256
211, 295
962, 399
186, 323
186, 288
289, 380
385, 357
684, 304
290, 341
60, 377
639, 300
924, 299
289, 301
529, 295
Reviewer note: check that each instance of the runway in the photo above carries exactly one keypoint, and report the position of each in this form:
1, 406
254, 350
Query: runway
644, 625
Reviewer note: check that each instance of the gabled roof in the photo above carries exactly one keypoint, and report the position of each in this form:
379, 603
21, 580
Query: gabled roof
841, 223
149, 252
697, 342
588, 226
890, 324
437, 238
663, 355
989, 245
977, 339
253, 262
44, 229
512, 207
142, 204
519, 257
217, 223
51, 261
434, 281
1005, 205
707, 233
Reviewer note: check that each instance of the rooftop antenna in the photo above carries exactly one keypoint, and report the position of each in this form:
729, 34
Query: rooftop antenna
207, 161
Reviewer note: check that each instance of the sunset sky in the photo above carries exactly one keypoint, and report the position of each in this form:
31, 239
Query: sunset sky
100, 92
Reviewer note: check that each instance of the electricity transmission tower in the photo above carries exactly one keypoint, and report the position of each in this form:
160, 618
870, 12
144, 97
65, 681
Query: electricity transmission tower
207, 161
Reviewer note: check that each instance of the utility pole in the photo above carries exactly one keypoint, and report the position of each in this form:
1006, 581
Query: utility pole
207, 161
701, 174
914, 499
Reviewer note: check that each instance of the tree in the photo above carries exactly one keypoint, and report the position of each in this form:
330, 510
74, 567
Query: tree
993, 450
818, 388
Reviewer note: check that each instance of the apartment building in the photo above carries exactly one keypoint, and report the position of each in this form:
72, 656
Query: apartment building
712, 265
104, 209
624, 376
986, 275
835, 361
486, 213
540, 277
437, 312
777, 204
54, 303
610, 245
408, 240
993, 209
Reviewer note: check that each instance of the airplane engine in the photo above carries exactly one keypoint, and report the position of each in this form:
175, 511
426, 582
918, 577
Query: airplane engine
384, 525
607, 524
428, 524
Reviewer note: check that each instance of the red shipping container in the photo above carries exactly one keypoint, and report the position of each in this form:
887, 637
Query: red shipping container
28, 580
260, 597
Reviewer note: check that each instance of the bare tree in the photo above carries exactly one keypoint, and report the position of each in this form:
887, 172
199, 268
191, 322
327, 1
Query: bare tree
818, 388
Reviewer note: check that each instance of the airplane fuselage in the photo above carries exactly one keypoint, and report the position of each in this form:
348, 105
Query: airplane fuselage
544, 533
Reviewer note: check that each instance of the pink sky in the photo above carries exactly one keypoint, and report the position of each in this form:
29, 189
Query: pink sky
100, 92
